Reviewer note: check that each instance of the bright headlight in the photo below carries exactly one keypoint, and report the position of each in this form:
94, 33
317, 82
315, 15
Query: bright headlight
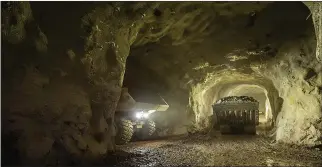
139, 115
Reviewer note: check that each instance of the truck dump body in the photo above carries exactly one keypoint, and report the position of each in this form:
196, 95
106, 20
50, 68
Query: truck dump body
236, 112
243, 113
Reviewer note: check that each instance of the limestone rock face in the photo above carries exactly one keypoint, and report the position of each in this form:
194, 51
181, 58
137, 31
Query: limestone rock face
64, 74
63, 69
298, 80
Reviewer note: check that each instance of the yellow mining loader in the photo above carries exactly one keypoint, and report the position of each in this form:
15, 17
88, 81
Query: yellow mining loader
133, 112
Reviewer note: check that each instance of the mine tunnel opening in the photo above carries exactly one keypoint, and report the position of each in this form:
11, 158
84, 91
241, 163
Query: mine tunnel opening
250, 99
260, 94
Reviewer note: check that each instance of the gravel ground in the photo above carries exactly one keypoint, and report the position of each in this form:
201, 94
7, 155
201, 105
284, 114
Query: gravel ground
203, 150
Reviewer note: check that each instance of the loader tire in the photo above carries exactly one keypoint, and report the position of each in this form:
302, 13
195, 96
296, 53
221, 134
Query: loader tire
124, 131
147, 130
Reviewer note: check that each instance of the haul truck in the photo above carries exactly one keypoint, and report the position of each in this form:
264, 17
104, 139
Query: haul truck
132, 115
237, 114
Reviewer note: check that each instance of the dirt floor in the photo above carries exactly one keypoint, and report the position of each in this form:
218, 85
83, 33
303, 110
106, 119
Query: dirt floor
218, 150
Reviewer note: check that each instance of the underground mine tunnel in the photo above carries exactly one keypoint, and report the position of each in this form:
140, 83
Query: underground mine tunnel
155, 83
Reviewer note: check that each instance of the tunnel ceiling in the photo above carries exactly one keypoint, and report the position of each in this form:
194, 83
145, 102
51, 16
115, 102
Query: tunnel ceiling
231, 42
76, 61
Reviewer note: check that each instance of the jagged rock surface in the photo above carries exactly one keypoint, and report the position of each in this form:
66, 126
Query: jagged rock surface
63, 72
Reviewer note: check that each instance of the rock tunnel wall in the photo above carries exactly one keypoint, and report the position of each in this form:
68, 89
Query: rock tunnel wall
299, 120
63, 72
78, 55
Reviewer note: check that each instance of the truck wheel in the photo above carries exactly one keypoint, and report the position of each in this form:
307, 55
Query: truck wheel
250, 129
147, 130
124, 131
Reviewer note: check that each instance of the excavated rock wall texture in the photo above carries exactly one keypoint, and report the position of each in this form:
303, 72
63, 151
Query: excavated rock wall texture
64, 72
196, 62
84, 50
201, 82
296, 74
63, 76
